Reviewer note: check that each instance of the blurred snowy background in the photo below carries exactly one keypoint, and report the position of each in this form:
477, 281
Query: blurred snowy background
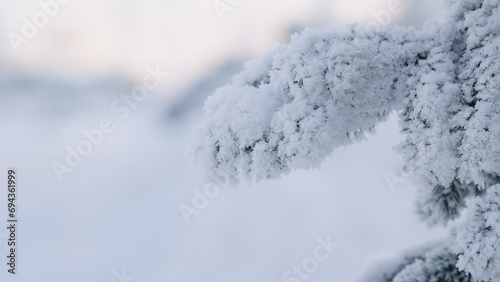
119, 209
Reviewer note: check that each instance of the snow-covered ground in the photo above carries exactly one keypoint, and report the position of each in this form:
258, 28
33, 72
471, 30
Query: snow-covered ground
118, 212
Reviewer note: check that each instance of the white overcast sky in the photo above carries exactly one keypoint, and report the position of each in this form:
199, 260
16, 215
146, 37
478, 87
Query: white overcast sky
185, 37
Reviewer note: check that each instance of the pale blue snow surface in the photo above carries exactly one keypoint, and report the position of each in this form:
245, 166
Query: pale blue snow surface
120, 207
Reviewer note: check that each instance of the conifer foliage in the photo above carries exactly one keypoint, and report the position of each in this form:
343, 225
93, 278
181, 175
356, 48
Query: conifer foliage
290, 109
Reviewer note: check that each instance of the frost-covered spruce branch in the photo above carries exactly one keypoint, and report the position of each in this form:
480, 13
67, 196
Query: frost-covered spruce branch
293, 107
434, 262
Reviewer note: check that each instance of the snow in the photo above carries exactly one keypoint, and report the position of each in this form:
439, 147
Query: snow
120, 208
